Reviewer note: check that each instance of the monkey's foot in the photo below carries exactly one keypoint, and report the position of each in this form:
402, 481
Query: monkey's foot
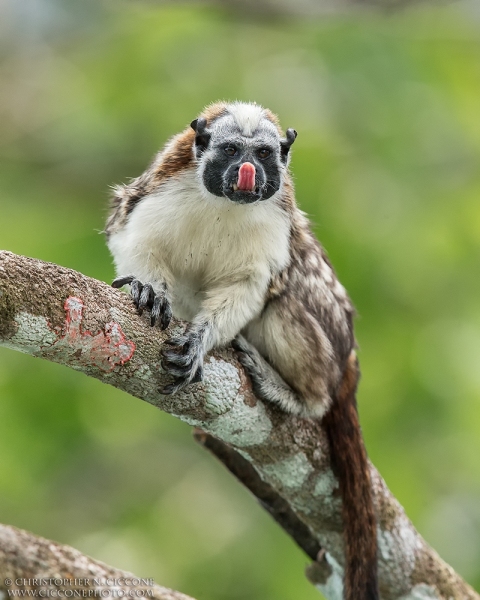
251, 360
182, 357
266, 382
144, 296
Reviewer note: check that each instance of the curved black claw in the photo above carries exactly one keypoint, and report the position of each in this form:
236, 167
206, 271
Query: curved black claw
145, 297
136, 288
121, 281
161, 311
182, 357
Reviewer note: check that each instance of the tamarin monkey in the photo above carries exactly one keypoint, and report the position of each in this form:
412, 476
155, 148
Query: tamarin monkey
211, 233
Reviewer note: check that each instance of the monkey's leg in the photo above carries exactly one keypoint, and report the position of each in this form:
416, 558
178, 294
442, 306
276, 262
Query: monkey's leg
144, 296
266, 382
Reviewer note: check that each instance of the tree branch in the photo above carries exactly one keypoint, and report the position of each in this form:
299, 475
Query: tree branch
28, 562
63, 316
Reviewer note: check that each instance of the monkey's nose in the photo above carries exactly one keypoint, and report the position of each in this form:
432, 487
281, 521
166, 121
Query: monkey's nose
246, 177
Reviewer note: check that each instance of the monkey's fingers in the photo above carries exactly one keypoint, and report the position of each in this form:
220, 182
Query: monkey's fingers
178, 365
142, 295
146, 298
240, 344
181, 342
172, 388
121, 281
198, 375
247, 362
181, 382
249, 358
247, 355
183, 362
161, 311
136, 288
171, 369
179, 360
166, 315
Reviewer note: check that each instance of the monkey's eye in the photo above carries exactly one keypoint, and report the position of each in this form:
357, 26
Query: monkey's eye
263, 153
230, 150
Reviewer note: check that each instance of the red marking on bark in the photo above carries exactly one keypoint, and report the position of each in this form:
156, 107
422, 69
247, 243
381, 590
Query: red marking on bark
105, 350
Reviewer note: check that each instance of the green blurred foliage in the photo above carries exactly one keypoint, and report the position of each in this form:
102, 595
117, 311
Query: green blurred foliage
386, 163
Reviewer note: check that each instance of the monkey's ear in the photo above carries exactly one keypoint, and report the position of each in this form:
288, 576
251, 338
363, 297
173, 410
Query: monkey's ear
285, 144
202, 138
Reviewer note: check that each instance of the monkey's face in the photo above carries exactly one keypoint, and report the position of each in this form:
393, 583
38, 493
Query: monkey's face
239, 162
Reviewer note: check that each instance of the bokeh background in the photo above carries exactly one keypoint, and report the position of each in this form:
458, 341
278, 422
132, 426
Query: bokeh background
387, 107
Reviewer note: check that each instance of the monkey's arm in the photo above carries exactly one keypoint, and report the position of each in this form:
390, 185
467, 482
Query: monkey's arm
224, 313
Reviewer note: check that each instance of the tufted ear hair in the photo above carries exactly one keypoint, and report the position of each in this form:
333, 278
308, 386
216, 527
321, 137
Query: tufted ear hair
202, 137
286, 143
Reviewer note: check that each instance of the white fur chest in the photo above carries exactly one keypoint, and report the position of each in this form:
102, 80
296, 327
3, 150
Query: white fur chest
197, 242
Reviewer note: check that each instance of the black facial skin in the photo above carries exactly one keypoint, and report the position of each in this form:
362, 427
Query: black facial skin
221, 172
225, 159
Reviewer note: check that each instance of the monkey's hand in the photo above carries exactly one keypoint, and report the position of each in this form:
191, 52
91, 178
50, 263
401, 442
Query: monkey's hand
182, 357
144, 297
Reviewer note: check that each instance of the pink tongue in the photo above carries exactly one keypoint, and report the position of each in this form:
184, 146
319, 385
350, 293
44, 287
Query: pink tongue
246, 177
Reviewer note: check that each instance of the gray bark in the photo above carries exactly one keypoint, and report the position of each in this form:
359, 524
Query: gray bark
60, 315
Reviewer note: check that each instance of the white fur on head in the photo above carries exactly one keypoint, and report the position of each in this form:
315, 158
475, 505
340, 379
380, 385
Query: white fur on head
247, 115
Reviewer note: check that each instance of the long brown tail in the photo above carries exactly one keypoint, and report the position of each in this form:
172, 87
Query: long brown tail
349, 461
